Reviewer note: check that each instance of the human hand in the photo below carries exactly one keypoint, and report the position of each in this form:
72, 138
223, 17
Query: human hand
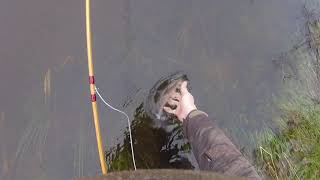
181, 104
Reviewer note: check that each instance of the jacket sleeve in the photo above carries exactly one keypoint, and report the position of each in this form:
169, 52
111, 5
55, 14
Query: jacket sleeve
213, 149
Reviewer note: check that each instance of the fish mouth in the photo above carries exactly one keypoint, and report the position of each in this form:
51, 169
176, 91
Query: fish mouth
160, 93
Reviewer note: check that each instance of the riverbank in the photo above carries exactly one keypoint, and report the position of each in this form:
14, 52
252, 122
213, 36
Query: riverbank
293, 151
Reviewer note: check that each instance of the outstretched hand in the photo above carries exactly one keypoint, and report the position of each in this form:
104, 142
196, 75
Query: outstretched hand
181, 103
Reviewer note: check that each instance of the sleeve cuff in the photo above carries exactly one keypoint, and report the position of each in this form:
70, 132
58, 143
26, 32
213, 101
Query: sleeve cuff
195, 113
191, 115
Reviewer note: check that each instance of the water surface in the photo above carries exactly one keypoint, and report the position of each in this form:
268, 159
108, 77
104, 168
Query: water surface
225, 47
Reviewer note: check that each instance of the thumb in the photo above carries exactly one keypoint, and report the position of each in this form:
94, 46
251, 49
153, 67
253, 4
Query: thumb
184, 89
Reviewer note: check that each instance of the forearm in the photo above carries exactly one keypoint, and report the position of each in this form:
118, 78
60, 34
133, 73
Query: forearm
213, 149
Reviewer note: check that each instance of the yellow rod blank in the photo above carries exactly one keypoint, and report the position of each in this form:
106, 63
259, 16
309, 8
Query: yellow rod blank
92, 90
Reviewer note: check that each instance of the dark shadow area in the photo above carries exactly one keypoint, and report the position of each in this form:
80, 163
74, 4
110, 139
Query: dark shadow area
154, 146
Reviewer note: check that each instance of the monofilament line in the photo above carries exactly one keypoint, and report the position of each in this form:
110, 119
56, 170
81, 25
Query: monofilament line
129, 126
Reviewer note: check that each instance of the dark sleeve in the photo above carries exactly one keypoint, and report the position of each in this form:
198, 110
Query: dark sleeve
213, 149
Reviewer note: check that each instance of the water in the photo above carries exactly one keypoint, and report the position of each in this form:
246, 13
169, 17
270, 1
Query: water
225, 47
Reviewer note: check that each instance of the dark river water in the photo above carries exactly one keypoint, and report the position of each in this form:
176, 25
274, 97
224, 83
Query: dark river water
225, 47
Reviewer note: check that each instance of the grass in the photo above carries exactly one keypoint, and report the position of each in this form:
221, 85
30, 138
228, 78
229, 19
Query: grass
295, 152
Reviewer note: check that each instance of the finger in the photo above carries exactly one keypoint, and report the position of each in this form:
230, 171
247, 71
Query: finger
173, 104
184, 89
169, 110
173, 101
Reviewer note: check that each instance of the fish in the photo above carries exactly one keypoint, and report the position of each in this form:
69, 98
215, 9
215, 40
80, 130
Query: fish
160, 93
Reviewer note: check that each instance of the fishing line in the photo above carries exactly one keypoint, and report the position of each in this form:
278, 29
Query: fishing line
129, 126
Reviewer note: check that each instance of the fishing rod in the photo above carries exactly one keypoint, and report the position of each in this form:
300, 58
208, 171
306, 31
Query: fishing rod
92, 90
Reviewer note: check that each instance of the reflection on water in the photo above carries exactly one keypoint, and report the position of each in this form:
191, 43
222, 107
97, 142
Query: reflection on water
225, 47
